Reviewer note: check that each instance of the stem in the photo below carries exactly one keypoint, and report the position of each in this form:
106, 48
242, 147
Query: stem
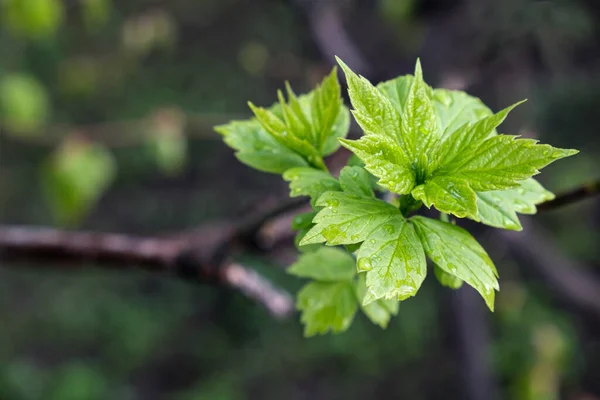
577, 194
444, 217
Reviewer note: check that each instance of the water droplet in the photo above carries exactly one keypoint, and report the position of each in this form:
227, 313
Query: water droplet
372, 241
364, 264
354, 237
389, 229
333, 203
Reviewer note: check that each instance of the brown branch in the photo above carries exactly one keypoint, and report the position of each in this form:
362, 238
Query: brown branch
572, 196
201, 257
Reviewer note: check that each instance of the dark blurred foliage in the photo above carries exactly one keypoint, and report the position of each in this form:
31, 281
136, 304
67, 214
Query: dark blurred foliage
106, 115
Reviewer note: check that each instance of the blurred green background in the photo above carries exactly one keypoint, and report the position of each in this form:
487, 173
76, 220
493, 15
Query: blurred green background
106, 115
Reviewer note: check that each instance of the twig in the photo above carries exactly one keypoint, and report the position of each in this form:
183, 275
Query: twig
575, 195
202, 257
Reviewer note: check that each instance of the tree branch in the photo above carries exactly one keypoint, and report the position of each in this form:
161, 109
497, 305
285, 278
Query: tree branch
575, 195
201, 256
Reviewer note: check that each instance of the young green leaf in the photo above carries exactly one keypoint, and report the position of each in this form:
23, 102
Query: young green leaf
347, 218
303, 223
449, 194
325, 107
304, 220
285, 135
455, 108
397, 90
378, 118
372, 110
470, 134
327, 264
257, 149
419, 122
394, 261
327, 307
379, 312
502, 161
446, 279
391, 252
383, 158
310, 182
357, 181
304, 248
455, 251
499, 208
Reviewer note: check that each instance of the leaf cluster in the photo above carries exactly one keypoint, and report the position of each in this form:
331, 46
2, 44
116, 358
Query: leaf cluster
429, 147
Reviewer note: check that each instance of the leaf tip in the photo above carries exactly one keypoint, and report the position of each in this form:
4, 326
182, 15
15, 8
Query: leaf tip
345, 68
418, 69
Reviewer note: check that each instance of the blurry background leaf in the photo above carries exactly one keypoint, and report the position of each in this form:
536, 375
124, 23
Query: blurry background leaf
95, 13
253, 57
23, 104
75, 177
78, 381
35, 19
166, 142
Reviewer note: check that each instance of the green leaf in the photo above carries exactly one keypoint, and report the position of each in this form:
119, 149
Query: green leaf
285, 135
455, 108
303, 223
75, 178
391, 252
461, 141
298, 238
372, 109
393, 258
379, 312
327, 264
397, 90
347, 218
455, 251
257, 149
446, 279
327, 307
499, 208
310, 182
304, 220
380, 121
357, 181
529, 194
383, 158
500, 162
449, 194
494, 210
291, 134
325, 107
419, 122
